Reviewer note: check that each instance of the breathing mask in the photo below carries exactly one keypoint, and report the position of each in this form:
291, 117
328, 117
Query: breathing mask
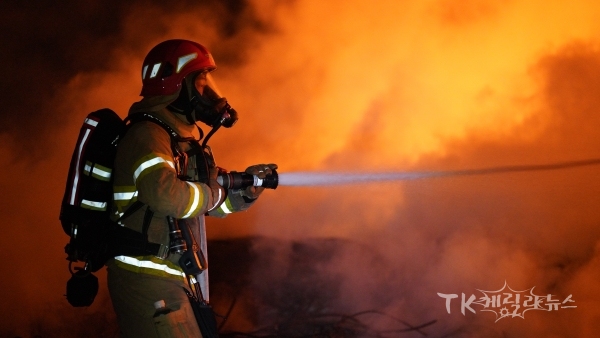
199, 100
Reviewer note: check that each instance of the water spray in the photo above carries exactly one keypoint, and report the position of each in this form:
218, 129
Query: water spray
236, 180
332, 178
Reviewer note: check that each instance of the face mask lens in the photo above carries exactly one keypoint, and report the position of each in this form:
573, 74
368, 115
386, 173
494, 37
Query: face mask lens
210, 107
212, 86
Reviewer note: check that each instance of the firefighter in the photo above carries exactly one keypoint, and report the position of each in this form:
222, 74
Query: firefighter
161, 171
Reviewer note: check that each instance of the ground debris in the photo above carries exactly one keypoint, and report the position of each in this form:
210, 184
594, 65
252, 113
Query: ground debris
334, 326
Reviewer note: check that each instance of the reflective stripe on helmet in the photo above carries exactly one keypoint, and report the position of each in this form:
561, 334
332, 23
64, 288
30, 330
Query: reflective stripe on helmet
155, 69
150, 265
184, 60
144, 70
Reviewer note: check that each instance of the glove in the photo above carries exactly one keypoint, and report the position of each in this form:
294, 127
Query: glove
218, 192
262, 171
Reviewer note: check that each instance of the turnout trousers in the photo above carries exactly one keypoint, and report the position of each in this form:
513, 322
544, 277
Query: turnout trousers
133, 296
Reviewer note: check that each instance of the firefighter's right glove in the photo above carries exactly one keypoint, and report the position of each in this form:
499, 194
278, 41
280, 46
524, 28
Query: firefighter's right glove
262, 171
218, 192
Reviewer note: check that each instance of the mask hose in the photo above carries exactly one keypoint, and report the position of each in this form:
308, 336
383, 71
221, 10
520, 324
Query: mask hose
226, 116
210, 133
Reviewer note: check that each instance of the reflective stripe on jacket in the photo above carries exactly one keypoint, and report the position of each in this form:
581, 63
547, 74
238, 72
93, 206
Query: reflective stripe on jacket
150, 265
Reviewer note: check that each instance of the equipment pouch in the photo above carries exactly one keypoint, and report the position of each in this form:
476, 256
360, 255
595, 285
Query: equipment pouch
192, 262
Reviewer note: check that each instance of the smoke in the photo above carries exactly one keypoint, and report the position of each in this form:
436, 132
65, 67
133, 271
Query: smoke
482, 90
361, 87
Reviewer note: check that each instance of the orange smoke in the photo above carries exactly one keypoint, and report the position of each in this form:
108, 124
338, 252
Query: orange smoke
374, 86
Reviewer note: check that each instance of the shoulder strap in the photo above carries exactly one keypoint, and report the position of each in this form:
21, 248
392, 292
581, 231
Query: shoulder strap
147, 219
133, 208
150, 118
175, 137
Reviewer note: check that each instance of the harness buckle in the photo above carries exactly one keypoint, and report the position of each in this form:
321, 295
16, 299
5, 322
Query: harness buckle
163, 252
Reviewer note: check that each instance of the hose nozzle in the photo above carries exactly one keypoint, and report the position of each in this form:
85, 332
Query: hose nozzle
236, 180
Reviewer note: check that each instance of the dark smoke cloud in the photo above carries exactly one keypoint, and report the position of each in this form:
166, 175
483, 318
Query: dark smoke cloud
47, 44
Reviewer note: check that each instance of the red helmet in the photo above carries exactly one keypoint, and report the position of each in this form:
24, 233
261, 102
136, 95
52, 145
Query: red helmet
169, 62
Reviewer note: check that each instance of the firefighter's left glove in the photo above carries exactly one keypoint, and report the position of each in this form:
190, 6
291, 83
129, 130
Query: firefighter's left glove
262, 171
218, 192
